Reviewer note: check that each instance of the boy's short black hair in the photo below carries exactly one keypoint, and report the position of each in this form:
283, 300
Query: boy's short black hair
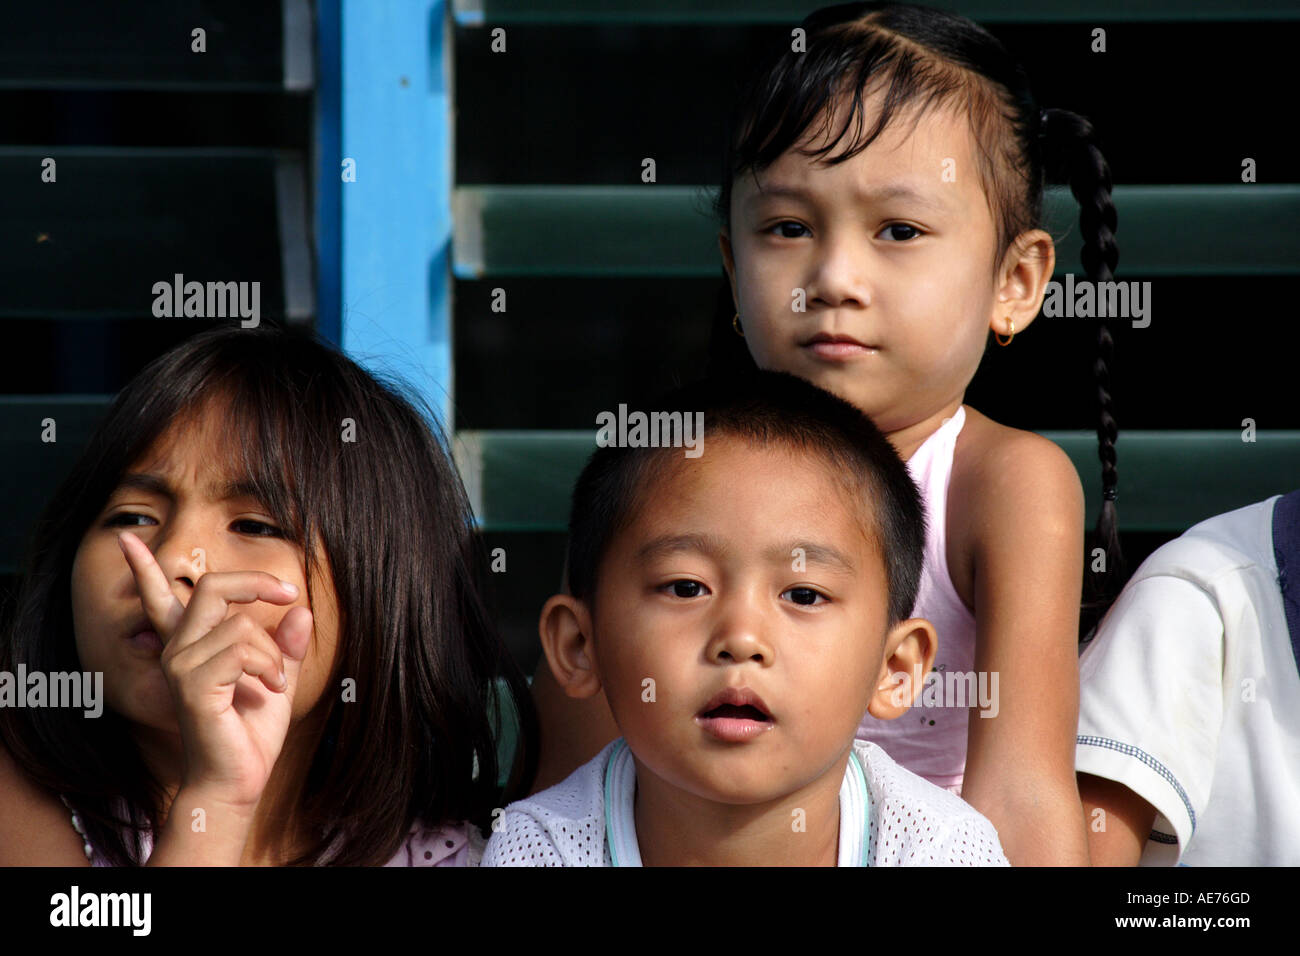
763, 407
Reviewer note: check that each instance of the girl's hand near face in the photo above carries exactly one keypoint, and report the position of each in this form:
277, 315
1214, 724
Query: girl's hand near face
232, 728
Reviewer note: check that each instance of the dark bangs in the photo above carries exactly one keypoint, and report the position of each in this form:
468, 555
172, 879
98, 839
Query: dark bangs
918, 58
349, 467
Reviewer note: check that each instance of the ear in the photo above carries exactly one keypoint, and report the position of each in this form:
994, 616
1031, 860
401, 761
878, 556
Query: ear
1022, 281
728, 262
565, 630
910, 647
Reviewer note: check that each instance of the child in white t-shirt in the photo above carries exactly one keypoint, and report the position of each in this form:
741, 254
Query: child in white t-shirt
742, 602
1189, 713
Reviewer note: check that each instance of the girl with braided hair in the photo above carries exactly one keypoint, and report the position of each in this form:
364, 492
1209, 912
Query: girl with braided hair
880, 217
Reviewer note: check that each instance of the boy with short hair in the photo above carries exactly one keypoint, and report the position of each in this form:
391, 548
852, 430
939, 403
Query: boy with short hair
741, 610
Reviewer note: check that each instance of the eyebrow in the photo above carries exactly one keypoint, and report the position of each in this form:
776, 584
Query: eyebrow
713, 546
813, 553
669, 544
866, 197
157, 485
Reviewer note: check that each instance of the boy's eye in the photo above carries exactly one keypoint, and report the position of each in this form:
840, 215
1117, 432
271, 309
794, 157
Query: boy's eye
685, 589
805, 596
910, 232
787, 225
257, 528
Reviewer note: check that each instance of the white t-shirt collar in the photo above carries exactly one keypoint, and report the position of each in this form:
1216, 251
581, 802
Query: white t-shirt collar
620, 823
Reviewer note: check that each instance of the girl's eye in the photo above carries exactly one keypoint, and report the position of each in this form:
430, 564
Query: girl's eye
805, 596
125, 518
911, 231
257, 528
685, 589
788, 224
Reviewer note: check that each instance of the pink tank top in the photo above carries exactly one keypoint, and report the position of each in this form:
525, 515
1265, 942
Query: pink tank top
447, 845
930, 738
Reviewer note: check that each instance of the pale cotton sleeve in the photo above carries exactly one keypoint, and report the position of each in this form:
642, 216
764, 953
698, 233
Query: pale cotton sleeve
1151, 704
445, 845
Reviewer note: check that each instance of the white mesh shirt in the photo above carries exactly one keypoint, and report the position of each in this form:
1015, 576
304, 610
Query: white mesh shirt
912, 822
908, 821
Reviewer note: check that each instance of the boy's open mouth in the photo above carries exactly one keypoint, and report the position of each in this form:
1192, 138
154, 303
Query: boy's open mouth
735, 714
748, 712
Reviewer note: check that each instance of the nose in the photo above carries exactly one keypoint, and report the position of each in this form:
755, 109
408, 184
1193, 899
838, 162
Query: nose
839, 277
740, 630
181, 555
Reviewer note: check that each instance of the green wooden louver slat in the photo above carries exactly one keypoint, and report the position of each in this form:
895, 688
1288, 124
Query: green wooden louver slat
521, 481
147, 44
33, 467
667, 230
1169, 480
122, 219
495, 12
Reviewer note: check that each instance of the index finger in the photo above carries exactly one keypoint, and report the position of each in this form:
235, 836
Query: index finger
211, 600
161, 605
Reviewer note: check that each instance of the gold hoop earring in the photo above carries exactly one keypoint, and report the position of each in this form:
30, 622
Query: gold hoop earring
1009, 337
735, 324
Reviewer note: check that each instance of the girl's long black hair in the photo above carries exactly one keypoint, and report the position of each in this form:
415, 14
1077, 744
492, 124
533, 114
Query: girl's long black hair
922, 54
434, 684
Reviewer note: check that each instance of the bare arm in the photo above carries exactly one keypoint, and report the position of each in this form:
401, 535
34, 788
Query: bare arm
573, 730
1119, 821
1026, 534
35, 826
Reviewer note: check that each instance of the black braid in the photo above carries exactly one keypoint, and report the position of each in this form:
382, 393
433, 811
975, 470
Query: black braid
1071, 155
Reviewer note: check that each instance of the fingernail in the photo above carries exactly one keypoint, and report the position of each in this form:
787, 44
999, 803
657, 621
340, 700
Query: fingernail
284, 681
290, 587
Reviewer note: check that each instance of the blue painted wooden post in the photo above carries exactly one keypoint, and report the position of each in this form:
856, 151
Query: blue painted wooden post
329, 107
395, 227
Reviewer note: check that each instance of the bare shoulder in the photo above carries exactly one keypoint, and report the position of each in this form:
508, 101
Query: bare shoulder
35, 826
574, 730
988, 450
1013, 479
